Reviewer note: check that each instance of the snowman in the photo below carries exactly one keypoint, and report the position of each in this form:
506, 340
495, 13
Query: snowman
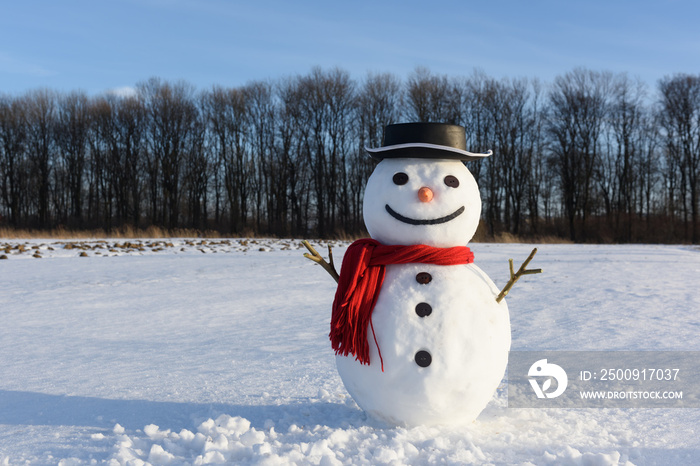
419, 336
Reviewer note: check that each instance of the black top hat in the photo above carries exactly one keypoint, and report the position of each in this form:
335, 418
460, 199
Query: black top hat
425, 140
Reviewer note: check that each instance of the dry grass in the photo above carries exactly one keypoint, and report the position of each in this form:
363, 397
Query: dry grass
129, 232
537, 239
482, 236
126, 232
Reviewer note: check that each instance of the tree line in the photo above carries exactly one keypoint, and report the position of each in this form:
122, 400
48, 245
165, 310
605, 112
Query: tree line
591, 156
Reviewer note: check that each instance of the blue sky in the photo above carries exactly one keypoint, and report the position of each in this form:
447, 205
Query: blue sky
99, 45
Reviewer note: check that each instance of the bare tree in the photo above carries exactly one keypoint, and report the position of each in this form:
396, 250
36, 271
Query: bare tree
117, 160
130, 121
429, 98
172, 120
578, 108
40, 120
539, 183
648, 169
507, 102
100, 142
327, 108
680, 120
378, 104
626, 117
225, 112
14, 172
475, 119
73, 121
294, 151
268, 183
198, 170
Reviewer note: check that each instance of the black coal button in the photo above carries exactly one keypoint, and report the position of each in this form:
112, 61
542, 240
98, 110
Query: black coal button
423, 358
424, 278
423, 309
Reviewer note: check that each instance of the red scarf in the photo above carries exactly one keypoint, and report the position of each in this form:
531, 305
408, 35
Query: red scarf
361, 278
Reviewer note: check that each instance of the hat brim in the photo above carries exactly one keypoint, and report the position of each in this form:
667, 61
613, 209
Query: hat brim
421, 150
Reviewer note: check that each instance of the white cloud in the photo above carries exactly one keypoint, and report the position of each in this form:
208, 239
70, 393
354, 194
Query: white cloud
123, 91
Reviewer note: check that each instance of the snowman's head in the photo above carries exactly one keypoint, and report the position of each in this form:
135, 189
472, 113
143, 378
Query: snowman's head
422, 201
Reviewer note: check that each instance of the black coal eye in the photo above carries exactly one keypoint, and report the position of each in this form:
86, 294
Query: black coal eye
451, 181
400, 178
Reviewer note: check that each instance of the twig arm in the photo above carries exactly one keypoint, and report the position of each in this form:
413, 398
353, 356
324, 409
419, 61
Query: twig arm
316, 257
514, 276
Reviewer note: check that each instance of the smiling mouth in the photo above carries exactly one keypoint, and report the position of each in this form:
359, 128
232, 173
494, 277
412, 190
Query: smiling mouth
432, 221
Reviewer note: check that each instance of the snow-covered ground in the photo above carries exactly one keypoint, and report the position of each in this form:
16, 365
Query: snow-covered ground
183, 352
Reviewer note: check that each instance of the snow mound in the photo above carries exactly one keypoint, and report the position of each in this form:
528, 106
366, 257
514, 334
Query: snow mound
232, 440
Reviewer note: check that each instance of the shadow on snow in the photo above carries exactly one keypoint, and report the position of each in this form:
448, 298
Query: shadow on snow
31, 408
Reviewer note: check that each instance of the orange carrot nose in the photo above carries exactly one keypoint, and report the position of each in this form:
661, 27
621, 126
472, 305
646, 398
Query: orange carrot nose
425, 194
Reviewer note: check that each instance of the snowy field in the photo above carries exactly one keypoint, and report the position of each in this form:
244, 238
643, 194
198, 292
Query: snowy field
179, 352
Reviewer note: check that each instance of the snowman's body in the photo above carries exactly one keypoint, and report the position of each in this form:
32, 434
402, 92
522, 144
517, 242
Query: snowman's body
444, 340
